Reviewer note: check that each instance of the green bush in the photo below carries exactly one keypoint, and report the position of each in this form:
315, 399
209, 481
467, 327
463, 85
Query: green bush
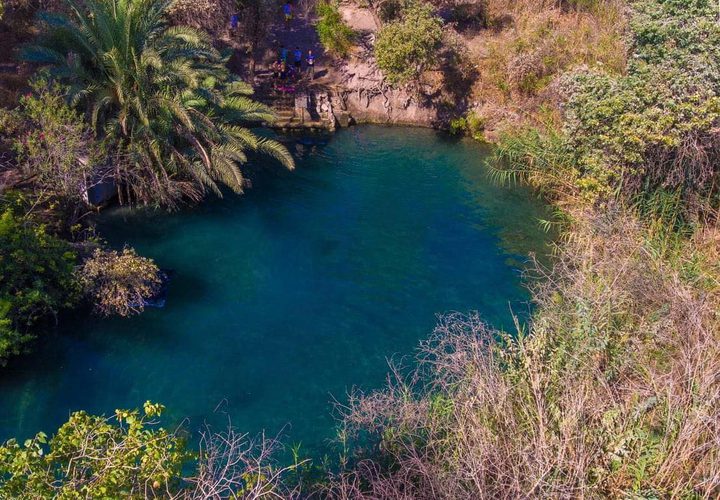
95, 457
471, 124
36, 281
405, 47
653, 128
131, 456
334, 34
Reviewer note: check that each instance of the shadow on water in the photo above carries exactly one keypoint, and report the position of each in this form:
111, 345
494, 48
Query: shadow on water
290, 295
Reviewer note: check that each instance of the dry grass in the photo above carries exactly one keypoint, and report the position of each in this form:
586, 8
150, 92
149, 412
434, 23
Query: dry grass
615, 391
530, 43
212, 16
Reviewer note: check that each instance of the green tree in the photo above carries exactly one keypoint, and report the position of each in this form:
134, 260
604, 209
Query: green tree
405, 47
161, 95
127, 456
36, 281
334, 34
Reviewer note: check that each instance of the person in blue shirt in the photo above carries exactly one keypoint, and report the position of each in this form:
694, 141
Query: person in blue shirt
287, 11
283, 54
310, 60
297, 54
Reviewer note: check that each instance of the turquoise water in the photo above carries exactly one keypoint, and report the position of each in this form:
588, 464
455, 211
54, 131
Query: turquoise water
287, 297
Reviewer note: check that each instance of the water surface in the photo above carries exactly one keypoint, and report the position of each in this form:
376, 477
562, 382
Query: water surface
290, 295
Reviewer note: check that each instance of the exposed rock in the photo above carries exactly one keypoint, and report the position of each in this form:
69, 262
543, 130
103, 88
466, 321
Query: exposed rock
365, 95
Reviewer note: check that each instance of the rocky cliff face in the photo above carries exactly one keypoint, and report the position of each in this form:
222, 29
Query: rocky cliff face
360, 94
363, 96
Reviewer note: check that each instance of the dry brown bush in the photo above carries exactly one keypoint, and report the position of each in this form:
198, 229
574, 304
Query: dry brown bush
212, 16
119, 282
615, 390
234, 465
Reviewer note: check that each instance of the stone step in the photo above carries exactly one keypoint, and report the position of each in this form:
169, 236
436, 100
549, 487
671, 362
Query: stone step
297, 124
287, 114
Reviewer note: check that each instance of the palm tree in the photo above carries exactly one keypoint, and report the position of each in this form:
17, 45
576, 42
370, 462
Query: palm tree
161, 96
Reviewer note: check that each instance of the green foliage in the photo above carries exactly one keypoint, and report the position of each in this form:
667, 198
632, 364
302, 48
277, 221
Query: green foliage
334, 34
36, 281
54, 147
127, 456
161, 96
405, 47
471, 124
539, 159
130, 456
653, 128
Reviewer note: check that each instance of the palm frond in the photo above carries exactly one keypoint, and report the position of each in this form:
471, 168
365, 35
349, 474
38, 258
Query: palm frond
163, 95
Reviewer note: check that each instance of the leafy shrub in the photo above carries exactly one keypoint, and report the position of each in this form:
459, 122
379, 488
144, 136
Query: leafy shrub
36, 281
656, 127
651, 129
334, 34
130, 456
404, 48
119, 282
471, 124
127, 456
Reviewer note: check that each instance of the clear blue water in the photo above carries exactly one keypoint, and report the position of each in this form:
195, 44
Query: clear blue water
292, 294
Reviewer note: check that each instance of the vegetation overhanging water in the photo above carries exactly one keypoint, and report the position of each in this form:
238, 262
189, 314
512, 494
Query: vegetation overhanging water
287, 297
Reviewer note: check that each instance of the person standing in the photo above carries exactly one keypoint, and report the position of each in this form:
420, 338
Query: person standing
310, 60
297, 60
283, 54
287, 11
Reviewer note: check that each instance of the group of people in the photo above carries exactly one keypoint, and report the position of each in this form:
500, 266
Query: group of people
283, 70
288, 66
